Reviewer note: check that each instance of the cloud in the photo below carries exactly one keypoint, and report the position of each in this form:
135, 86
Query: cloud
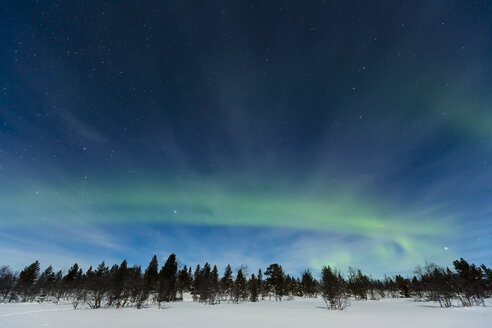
75, 125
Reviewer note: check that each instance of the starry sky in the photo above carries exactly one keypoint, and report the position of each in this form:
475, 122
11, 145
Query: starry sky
350, 133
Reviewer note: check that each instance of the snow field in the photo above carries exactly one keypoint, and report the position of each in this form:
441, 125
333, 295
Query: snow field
300, 312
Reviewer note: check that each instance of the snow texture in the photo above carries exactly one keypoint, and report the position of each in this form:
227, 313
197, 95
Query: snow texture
300, 312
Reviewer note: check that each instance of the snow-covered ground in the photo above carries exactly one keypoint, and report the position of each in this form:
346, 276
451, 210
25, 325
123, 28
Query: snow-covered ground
298, 313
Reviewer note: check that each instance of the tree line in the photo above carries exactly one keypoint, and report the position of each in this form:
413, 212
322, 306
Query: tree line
122, 285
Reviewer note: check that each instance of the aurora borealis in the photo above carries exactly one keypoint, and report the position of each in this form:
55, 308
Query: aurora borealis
327, 132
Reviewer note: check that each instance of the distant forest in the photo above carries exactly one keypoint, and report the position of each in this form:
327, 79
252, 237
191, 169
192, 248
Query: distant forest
123, 286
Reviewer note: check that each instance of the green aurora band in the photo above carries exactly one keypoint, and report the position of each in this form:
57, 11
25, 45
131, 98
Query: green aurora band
339, 213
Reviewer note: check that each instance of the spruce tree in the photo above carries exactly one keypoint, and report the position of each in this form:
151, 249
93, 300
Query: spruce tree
214, 284
254, 288
151, 275
308, 284
205, 284
239, 290
197, 282
226, 283
167, 281
261, 285
183, 283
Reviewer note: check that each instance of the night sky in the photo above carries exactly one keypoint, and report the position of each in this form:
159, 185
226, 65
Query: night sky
350, 133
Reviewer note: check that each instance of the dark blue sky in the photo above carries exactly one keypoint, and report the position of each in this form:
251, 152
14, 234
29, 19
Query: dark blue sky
308, 133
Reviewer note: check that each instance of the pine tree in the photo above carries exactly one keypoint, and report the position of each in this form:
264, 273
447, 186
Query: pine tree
184, 281
70, 284
7, 282
487, 279
214, 284
136, 286
113, 288
403, 285
469, 283
276, 280
226, 283
254, 288
358, 283
27, 280
120, 290
308, 284
151, 275
197, 282
261, 285
57, 287
299, 291
96, 285
100, 284
290, 287
333, 289
167, 281
46, 282
205, 284
72, 273
239, 290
